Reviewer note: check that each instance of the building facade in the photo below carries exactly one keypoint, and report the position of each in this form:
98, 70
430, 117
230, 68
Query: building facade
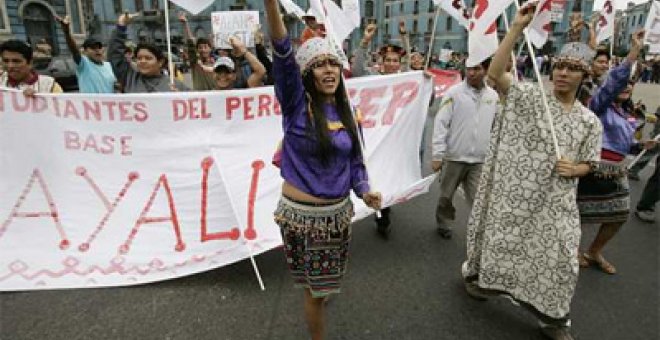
33, 21
628, 21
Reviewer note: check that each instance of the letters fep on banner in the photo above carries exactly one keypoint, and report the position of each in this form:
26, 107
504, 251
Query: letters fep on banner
119, 190
241, 24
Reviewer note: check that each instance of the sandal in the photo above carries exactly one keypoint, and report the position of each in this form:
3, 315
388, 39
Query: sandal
584, 263
601, 263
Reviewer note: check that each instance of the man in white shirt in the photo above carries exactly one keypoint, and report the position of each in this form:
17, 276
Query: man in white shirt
460, 140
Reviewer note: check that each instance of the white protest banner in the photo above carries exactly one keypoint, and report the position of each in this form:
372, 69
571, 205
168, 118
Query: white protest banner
652, 35
539, 28
116, 190
605, 25
241, 24
291, 8
193, 6
485, 13
456, 9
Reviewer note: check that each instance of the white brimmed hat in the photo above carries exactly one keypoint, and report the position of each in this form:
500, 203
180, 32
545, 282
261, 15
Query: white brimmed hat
311, 50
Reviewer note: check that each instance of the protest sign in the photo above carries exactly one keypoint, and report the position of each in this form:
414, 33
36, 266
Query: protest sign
652, 36
115, 190
240, 24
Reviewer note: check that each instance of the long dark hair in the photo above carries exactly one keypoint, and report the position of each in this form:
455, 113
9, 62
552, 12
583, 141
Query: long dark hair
318, 124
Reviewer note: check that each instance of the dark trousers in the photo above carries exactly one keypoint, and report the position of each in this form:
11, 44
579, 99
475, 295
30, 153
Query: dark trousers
651, 193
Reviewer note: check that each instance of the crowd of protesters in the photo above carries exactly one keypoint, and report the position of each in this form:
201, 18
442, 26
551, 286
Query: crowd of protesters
490, 137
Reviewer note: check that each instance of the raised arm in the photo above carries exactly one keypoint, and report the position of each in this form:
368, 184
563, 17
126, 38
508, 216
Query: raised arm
258, 70
405, 41
359, 67
288, 83
65, 23
274, 17
117, 49
617, 78
262, 52
503, 54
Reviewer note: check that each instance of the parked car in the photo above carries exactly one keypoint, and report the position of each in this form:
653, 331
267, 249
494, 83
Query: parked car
62, 68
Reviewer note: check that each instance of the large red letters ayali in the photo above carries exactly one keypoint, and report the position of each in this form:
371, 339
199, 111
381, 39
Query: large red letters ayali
118, 190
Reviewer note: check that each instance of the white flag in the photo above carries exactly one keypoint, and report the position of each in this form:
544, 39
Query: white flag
539, 28
352, 11
342, 25
486, 12
456, 9
481, 45
291, 8
320, 7
193, 6
652, 35
605, 26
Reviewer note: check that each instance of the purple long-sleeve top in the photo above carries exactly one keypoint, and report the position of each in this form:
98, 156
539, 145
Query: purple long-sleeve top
618, 125
300, 165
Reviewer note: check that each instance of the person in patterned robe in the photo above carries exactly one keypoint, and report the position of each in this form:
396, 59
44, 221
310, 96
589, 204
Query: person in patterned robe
524, 230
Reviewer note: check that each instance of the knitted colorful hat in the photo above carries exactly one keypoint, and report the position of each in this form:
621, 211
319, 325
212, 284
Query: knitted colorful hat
577, 52
313, 49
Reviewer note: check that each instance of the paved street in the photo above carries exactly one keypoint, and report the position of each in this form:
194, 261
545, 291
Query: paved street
407, 287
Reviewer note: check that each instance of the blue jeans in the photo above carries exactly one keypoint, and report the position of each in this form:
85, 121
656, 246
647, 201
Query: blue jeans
651, 193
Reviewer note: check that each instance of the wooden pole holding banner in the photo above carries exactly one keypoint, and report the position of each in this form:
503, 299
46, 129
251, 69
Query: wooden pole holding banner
548, 116
170, 65
233, 208
435, 23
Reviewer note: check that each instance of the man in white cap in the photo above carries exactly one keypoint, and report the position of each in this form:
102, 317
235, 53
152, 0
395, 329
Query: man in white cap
225, 68
460, 140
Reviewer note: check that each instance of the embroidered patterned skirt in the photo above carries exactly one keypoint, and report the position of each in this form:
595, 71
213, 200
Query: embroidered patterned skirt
603, 194
316, 241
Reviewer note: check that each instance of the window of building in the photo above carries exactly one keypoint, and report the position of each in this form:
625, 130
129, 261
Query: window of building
76, 16
139, 5
387, 11
429, 25
414, 26
154, 4
387, 29
416, 7
401, 8
633, 23
449, 23
369, 9
4, 19
119, 9
431, 5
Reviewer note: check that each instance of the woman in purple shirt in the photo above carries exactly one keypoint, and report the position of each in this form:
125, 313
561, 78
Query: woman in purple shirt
321, 161
603, 195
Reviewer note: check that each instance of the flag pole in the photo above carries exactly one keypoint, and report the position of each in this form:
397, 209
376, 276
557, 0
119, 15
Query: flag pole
435, 23
548, 116
170, 65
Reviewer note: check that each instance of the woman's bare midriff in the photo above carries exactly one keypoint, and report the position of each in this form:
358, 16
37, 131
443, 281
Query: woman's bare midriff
294, 193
